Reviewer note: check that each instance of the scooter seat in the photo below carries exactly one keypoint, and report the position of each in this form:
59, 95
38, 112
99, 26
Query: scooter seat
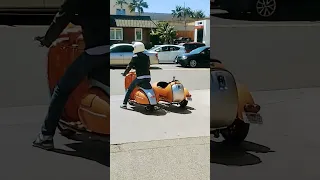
162, 84
145, 85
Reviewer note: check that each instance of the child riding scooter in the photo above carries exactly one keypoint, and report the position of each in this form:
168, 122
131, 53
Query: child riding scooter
141, 62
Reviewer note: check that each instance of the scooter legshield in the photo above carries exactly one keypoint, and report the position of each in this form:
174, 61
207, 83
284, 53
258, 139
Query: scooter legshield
146, 97
223, 98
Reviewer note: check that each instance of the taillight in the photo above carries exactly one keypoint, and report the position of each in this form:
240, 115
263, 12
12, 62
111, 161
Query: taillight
254, 108
157, 55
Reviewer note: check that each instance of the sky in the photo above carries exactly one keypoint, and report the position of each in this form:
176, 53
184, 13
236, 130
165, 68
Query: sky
165, 6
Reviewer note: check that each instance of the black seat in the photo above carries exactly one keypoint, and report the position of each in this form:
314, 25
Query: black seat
145, 85
162, 84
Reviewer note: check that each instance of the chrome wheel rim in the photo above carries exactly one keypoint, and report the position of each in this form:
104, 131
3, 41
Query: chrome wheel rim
193, 63
266, 8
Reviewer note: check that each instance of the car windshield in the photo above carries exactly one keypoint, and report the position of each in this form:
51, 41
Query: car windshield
198, 50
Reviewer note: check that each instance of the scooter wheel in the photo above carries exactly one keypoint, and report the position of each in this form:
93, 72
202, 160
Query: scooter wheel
183, 103
150, 108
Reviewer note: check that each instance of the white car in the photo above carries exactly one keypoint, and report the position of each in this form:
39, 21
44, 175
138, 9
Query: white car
168, 53
121, 55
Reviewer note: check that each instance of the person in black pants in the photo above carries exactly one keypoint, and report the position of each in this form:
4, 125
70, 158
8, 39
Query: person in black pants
92, 17
141, 62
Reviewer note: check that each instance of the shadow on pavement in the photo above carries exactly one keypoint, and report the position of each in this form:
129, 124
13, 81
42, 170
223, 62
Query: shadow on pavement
92, 150
124, 67
286, 15
202, 67
222, 153
177, 109
142, 110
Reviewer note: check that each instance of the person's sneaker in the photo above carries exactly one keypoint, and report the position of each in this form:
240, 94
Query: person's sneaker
123, 106
44, 142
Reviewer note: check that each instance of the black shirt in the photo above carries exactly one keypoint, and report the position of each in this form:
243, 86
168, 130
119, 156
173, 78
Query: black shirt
91, 15
141, 62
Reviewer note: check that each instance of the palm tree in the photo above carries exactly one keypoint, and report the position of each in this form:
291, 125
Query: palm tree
198, 14
121, 3
182, 12
178, 12
166, 32
138, 5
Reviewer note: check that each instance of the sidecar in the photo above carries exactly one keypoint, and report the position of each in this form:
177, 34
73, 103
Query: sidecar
232, 107
172, 92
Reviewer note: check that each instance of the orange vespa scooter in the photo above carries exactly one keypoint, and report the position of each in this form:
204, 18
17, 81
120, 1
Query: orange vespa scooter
87, 111
172, 92
143, 95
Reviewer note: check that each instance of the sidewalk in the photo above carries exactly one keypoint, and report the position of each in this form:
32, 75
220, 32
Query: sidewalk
185, 159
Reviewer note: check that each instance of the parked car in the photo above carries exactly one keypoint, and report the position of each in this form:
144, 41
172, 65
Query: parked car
121, 54
181, 40
197, 57
191, 45
265, 9
167, 53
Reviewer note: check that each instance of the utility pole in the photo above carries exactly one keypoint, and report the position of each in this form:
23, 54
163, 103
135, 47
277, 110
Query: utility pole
184, 15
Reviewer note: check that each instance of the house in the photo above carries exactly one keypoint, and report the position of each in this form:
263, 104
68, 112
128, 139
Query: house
129, 26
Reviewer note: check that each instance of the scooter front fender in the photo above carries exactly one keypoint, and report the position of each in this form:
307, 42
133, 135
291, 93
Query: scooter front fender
245, 97
146, 97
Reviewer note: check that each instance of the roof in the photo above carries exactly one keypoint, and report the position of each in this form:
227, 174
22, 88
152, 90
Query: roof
134, 21
162, 45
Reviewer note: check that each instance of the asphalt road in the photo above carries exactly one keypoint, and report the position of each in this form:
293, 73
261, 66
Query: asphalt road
191, 78
277, 60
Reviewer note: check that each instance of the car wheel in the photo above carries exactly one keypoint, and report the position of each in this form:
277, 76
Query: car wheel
236, 133
265, 9
193, 63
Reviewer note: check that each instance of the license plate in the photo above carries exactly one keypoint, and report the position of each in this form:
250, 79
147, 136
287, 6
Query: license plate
252, 118
189, 99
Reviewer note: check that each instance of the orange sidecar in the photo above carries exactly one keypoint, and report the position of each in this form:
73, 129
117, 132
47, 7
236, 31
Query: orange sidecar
141, 95
87, 109
232, 107
172, 92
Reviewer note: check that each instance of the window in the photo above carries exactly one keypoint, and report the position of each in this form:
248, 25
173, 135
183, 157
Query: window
173, 48
116, 34
120, 12
138, 34
123, 48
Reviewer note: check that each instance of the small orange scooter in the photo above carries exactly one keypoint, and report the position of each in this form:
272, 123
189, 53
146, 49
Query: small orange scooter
143, 95
172, 92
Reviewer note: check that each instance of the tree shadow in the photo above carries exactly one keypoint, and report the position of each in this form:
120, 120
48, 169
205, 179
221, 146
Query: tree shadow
92, 150
232, 155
